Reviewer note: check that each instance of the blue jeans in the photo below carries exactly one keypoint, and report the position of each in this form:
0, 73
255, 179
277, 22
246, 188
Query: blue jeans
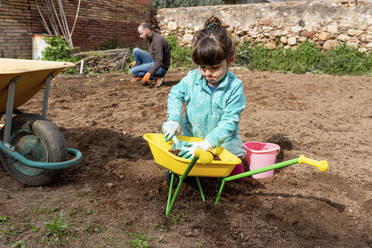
144, 63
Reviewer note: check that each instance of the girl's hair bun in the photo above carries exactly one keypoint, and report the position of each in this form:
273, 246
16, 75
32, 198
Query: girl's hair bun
213, 22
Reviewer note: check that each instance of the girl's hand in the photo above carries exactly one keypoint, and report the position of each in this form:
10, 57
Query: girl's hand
170, 128
188, 149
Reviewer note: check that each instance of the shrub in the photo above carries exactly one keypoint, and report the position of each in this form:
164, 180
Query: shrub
341, 60
180, 56
58, 50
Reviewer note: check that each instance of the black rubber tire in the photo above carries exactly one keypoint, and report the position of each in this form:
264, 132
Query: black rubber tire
52, 141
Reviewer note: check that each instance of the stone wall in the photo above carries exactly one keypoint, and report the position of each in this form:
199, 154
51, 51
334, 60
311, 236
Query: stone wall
98, 21
327, 23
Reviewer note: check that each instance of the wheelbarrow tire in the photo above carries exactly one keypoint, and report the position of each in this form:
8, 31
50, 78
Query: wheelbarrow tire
53, 146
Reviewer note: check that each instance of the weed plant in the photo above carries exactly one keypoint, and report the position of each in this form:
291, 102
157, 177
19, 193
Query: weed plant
57, 229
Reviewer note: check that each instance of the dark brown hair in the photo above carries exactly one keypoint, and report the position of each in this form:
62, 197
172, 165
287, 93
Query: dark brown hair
145, 26
213, 43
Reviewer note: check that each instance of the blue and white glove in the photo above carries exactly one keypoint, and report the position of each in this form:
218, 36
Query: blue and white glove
170, 128
188, 148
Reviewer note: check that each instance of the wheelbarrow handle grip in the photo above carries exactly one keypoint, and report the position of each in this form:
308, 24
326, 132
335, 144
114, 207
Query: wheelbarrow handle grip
321, 165
205, 157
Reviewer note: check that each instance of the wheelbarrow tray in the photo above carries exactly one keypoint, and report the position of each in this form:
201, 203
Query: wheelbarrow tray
160, 149
32, 75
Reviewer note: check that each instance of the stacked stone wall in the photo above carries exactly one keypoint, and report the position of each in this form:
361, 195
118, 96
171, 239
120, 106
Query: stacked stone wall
327, 23
98, 21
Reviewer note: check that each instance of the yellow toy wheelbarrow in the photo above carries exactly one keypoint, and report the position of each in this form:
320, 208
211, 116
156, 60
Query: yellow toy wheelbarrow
32, 149
203, 165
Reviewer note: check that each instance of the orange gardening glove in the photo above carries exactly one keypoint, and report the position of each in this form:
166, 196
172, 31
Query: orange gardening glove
133, 64
146, 78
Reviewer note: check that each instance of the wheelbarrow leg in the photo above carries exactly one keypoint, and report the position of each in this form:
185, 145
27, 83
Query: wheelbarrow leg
9, 111
200, 188
182, 178
46, 94
170, 191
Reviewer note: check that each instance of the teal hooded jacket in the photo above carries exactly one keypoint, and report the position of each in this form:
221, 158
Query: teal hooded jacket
213, 116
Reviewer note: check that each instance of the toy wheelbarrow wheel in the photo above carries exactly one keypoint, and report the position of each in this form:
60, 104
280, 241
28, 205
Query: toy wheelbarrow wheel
38, 140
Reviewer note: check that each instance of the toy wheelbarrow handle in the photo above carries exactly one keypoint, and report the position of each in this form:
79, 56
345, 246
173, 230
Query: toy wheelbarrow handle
205, 157
321, 165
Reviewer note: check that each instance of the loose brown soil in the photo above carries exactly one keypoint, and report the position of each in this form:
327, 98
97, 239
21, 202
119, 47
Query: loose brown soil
116, 197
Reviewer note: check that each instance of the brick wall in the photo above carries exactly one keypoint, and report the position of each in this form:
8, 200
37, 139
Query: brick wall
98, 21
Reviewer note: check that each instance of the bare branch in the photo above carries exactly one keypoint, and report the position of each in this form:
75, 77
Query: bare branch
76, 16
57, 22
42, 18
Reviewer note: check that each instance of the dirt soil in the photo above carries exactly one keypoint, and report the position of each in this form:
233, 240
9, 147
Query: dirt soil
116, 197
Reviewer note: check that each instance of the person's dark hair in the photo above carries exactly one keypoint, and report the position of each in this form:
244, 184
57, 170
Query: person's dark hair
145, 25
213, 43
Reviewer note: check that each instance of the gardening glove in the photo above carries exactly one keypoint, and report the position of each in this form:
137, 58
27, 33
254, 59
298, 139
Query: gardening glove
146, 78
170, 128
133, 64
189, 148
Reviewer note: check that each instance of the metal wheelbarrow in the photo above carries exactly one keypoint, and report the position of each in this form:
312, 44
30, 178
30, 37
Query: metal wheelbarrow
203, 165
32, 149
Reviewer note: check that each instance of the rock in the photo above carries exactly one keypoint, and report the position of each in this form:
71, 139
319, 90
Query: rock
307, 33
353, 43
270, 45
172, 26
323, 36
329, 44
362, 49
296, 29
302, 39
277, 33
369, 38
265, 22
285, 32
241, 32
292, 41
343, 37
284, 40
187, 38
369, 45
332, 28
309, 28
354, 32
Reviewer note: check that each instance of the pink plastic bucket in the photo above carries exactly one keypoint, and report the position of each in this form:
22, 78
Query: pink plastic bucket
260, 155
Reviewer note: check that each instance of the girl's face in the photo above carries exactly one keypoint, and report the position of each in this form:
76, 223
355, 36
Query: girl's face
214, 73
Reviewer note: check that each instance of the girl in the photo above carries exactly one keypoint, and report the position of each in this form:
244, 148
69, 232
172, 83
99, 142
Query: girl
214, 96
